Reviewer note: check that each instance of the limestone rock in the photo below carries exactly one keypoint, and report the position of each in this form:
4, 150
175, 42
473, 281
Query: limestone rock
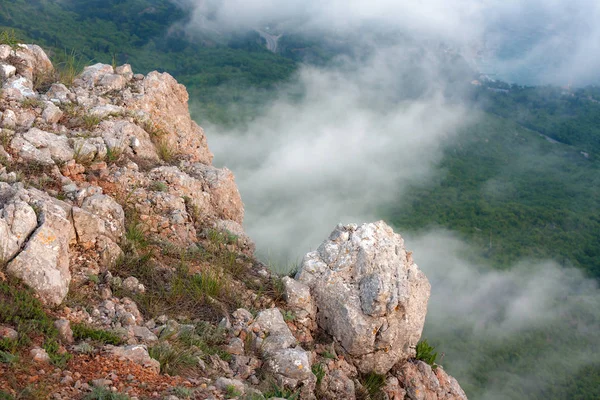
51, 114
7, 332
124, 136
287, 361
166, 102
136, 353
421, 382
369, 294
92, 75
59, 93
44, 147
298, 297
32, 61
18, 88
64, 330
109, 211
336, 385
43, 261
39, 355
17, 221
224, 195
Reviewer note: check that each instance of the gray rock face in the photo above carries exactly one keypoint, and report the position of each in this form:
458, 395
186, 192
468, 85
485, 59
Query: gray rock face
421, 382
109, 211
43, 263
297, 295
369, 294
290, 363
17, 222
43, 147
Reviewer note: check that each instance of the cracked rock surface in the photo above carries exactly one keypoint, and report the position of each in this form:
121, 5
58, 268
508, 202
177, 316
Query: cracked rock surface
370, 295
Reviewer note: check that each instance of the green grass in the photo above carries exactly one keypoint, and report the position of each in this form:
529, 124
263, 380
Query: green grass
83, 332
20, 309
99, 393
158, 186
319, 372
372, 384
426, 353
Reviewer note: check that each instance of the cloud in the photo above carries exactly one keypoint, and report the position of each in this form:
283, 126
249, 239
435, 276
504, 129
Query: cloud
523, 41
352, 142
506, 332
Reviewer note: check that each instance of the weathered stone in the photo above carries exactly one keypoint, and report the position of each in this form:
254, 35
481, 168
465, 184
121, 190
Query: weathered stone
165, 101
39, 355
278, 334
51, 114
105, 110
43, 263
7, 332
227, 385
133, 285
32, 61
7, 71
224, 195
65, 333
88, 149
144, 334
43, 147
369, 294
298, 297
336, 385
17, 221
92, 74
58, 92
136, 353
112, 82
109, 211
18, 88
421, 382
124, 136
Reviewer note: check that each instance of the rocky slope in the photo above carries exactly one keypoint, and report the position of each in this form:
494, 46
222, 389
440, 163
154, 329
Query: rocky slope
125, 270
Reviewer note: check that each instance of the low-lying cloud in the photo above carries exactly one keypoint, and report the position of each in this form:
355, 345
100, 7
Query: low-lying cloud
522, 41
507, 333
349, 145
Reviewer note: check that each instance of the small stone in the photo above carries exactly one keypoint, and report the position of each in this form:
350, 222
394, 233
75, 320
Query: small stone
64, 330
8, 333
39, 355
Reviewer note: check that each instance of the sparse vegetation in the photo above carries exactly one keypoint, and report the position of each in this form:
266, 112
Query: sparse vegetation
90, 121
158, 186
100, 393
372, 384
231, 392
9, 37
83, 332
319, 371
20, 308
183, 392
426, 353
278, 391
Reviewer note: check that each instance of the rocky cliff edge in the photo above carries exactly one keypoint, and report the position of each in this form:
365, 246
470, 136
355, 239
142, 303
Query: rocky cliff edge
125, 270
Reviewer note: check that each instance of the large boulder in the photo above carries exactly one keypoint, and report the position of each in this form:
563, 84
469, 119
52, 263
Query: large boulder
370, 295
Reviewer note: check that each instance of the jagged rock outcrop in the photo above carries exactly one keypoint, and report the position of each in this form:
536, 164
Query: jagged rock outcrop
370, 295
72, 136
98, 170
